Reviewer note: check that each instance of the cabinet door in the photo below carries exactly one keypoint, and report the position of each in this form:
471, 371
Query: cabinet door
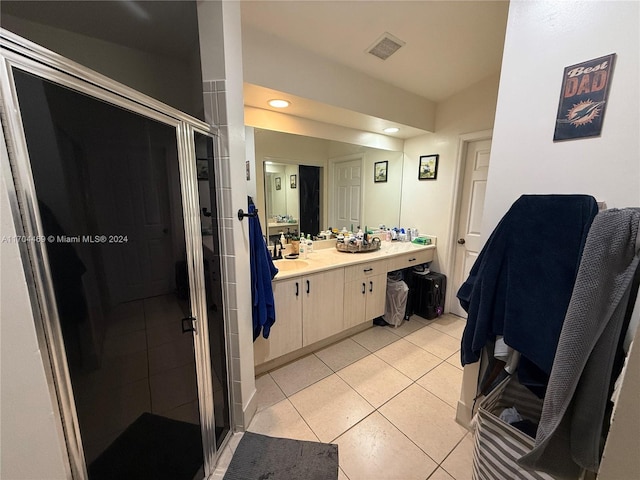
355, 300
286, 333
376, 288
322, 314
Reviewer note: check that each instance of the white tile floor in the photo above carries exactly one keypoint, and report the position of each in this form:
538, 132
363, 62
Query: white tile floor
386, 396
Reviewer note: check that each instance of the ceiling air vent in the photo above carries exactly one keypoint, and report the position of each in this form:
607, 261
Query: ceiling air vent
385, 46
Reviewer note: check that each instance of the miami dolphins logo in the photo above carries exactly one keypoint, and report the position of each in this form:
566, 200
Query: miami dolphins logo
583, 113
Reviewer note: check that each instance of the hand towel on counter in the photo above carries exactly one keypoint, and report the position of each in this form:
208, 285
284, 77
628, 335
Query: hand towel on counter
262, 272
521, 282
569, 435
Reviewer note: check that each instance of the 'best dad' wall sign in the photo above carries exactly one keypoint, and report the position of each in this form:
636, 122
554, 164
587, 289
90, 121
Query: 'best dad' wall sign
583, 100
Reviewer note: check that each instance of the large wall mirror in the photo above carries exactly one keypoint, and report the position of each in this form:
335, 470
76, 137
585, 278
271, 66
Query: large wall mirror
301, 179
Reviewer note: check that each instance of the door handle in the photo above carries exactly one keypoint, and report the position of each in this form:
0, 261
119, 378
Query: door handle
462, 241
308, 286
363, 288
368, 270
370, 286
297, 292
188, 325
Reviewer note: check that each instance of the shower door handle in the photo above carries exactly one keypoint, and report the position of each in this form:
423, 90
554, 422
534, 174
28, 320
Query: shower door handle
188, 325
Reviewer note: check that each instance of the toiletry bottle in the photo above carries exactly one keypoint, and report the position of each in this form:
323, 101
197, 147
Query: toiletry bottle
303, 246
309, 244
283, 241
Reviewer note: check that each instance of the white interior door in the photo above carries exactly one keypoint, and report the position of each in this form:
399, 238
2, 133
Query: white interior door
476, 168
347, 194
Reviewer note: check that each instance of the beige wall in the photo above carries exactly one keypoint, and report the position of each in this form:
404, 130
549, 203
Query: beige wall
311, 76
429, 205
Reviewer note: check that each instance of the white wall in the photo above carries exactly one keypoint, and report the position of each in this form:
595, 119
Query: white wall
428, 205
31, 446
237, 232
542, 38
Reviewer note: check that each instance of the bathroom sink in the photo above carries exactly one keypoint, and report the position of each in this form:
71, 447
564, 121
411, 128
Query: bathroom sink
288, 265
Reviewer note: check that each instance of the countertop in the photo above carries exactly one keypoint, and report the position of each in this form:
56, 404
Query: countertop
328, 258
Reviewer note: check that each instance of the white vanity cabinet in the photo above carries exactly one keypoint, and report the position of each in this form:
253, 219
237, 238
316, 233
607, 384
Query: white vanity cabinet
308, 309
324, 297
407, 260
286, 335
322, 314
365, 287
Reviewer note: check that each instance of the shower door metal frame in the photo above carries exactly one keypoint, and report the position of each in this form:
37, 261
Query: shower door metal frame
16, 52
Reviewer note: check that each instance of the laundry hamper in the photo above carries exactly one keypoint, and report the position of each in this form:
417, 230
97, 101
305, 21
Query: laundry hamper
497, 444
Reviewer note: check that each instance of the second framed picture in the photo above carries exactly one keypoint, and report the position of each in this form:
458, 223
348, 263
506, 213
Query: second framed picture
380, 171
293, 181
428, 168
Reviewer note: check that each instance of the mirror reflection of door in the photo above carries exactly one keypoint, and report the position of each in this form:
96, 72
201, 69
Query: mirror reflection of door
108, 188
347, 193
282, 204
309, 199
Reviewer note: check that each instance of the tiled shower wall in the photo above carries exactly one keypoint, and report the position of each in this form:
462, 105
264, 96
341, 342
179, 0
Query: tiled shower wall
216, 114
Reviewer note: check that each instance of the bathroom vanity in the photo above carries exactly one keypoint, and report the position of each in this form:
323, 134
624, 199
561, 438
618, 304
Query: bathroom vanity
330, 295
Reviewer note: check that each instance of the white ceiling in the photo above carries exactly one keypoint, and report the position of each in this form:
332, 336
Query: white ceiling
450, 45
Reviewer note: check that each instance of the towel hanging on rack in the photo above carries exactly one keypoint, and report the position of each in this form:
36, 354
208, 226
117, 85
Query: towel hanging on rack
262, 272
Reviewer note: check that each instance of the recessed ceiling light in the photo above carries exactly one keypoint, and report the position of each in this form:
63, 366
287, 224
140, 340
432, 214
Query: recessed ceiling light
277, 103
391, 130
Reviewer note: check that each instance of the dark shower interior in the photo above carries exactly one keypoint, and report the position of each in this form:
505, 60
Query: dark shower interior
108, 187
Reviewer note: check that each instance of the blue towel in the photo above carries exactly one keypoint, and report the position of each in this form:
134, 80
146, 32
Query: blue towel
521, 283
262, 272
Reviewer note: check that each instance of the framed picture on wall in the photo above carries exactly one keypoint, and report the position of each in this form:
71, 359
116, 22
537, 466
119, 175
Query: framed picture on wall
428, 168
278, 183
380, 171
293, 181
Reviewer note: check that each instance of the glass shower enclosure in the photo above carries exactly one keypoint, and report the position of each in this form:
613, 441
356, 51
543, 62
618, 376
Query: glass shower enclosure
118, 194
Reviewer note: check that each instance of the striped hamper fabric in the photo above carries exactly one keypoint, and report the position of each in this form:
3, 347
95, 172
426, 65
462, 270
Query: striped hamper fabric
498, 445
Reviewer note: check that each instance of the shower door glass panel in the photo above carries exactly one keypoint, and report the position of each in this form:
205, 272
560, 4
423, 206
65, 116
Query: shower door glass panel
213, 283
109, 196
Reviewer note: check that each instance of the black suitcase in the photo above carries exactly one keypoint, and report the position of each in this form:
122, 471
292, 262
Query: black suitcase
429, 294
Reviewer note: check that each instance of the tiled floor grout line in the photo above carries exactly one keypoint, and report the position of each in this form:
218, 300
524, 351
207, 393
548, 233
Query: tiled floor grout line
377, 410
439, 465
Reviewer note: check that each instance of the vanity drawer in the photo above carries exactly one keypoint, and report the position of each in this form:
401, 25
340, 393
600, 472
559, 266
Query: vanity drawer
411, 259
364, 270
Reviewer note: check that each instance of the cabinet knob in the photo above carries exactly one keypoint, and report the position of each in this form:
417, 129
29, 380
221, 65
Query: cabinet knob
308, 286
370, 286
297, 289
363, 288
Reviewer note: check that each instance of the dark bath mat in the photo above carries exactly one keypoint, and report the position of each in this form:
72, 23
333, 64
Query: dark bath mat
152, 447
259, 457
